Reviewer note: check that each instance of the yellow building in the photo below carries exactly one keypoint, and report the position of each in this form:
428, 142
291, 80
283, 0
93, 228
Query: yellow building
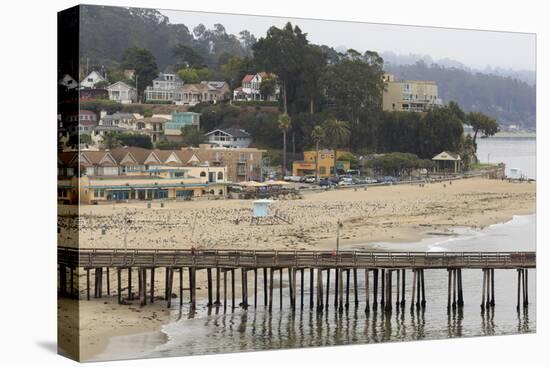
409, 95
326, 163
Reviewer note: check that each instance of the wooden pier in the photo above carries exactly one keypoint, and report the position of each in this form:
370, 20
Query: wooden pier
387, 269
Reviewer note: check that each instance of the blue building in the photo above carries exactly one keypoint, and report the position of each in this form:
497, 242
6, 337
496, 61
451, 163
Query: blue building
180, 120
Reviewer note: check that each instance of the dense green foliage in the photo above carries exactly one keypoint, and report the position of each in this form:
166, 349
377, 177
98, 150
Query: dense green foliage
398, 164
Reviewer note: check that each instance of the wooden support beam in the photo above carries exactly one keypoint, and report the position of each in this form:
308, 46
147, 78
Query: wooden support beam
340, 289
328, 288
483, 290
281, 288
460, 291
311, 285
265, 288
413, 295
397, 288
488, 299
449, 285
193, 290
336, 287
423, 303
356, 287
119, 284
293, 289
382, 287
403, 287
130, 283
375, 289
418, 287
319, 289
209, 286
181, 286
143, 294
88, 284
347, 288
526, 287
218, 280
255, 287
367, 300
152, 286
169, 286
232, 289
140, 283
519, 288
244, 290
108, 282
302, 289
291, 293
271, 273
224, 290
492, 287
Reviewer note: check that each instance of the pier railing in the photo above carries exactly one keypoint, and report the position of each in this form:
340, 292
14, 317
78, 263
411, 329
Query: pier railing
108, 257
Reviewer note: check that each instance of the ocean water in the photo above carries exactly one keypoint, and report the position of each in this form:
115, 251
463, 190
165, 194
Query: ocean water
213, 331
514, 152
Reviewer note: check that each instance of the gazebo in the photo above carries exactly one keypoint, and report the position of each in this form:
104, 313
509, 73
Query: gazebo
447, 162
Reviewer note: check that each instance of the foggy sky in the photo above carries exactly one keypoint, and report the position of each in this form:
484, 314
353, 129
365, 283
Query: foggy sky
476, 49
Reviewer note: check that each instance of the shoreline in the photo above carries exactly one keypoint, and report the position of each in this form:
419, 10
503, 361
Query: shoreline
392, 214
158, 328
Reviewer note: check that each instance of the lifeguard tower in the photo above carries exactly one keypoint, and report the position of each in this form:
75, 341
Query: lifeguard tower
261, 212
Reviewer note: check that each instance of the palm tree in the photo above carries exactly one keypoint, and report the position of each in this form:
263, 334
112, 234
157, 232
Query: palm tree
337, 133
284, 125
317, 134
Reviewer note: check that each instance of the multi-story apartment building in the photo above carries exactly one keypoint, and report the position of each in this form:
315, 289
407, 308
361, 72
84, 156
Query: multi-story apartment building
243, 164
409, 95
179, 120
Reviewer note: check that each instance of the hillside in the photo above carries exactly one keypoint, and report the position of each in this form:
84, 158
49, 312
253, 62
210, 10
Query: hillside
106, 32
506, 99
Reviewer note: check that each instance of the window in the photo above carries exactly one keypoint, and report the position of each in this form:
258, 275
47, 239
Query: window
220, 175
203, 174
99, 193
322, 170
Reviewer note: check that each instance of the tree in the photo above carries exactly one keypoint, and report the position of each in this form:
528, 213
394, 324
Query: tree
355, 85
191, 136
267, 87
101, 84
143, 62
282, 51
85, 139
337, 134
481, 122
110, 140
284, 125
189, 75
317, 135
187, 57
314, 64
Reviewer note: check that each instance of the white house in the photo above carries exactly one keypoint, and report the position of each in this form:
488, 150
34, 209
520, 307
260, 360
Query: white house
92, 79
166, 87
122, 93
250, 88
229, 138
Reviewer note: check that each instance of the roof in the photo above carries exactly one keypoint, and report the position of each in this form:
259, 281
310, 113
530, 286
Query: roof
214, 84
154, 119
119, 115
122, 84
446, 156
234, 132
264, 74
248, 78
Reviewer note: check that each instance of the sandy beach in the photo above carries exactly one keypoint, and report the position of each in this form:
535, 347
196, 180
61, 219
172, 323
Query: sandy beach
378, 214
388, 213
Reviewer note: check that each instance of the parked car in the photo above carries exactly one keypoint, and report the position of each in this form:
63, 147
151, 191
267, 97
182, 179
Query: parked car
346, 181
388, 179
309, 179
370, 180
326, 182
292, 178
